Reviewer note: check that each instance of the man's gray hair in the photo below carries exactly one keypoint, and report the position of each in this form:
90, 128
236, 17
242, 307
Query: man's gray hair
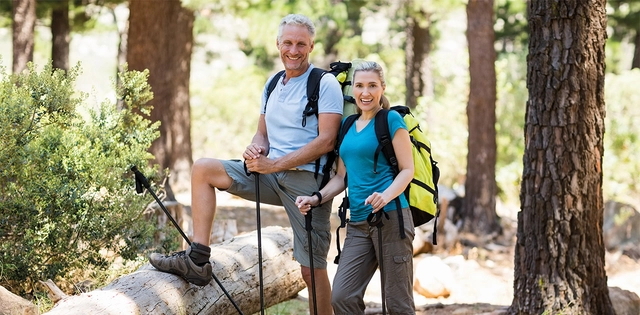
297, 19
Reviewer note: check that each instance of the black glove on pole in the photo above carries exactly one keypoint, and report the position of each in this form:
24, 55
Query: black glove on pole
141, 181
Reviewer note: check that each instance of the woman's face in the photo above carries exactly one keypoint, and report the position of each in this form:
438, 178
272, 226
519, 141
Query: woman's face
367, 90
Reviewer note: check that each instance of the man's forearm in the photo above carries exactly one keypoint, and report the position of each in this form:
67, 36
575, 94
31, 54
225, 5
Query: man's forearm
307, 154
262, 141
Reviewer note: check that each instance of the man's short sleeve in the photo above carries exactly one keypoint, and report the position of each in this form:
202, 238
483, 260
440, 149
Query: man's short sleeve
263, 99
330, 98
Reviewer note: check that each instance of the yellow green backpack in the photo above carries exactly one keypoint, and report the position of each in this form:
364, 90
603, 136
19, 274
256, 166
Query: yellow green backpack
422, 192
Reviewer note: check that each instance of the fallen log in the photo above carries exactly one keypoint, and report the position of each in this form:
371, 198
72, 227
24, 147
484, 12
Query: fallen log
53, 292
14, 304
235, 265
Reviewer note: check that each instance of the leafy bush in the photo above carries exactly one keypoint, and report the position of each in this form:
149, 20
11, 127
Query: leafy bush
67, 201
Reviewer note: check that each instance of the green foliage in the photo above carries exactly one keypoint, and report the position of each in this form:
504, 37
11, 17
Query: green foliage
445, 114
621, 162
66, 194
512, 95
225, 113
623, 24
289, 307
511, 26
623, 19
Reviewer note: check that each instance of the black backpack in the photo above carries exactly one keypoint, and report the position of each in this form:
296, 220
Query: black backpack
343, 71
313, 91
313, 94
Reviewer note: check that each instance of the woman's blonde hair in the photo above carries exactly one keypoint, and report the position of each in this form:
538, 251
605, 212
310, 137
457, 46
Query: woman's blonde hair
373, 67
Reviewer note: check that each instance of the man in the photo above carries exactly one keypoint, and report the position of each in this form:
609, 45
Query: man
284, 152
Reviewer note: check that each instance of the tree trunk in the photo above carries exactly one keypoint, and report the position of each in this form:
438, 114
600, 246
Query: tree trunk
354, 10
417, 49
635, 64
479, 209
61, 35
559, 255
161, 39
123, 33
24, 23
235, 265
121, 58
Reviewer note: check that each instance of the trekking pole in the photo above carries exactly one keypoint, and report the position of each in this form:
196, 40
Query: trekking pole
257, 179
141, 181
375, 219
308, 227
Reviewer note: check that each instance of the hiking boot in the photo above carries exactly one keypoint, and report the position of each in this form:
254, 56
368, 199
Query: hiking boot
181, 264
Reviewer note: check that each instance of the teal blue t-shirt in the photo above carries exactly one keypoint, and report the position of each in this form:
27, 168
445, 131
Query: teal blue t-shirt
357, 151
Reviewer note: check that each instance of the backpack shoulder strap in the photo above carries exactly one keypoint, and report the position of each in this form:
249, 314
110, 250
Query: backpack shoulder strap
313, 83
386, 146
344, 206
313, 93
272, 86
384, 141
348, 122
273, 83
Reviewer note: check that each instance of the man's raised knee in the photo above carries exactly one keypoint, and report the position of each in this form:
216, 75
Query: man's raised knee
211, 171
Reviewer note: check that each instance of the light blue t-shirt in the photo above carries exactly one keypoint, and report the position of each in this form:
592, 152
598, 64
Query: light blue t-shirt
283, 114
357, 151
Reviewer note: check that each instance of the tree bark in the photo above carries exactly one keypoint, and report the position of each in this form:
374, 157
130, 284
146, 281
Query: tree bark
235, 265
559, 255
161, 40
24, 23
479, 209
61, 35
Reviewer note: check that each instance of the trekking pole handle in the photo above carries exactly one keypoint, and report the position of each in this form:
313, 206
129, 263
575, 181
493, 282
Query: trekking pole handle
307, 221
309, 216
140, 180
375, 219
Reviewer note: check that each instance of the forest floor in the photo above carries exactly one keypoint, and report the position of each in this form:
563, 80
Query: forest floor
483, 275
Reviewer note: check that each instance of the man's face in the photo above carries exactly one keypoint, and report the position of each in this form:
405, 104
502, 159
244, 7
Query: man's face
295, 46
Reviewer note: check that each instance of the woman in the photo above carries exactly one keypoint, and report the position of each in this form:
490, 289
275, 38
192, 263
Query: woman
370, 193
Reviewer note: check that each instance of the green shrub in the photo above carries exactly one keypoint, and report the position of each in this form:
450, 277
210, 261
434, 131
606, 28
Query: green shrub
67, 201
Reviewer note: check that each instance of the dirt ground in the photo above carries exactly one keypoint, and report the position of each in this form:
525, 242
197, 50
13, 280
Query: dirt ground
483, 276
